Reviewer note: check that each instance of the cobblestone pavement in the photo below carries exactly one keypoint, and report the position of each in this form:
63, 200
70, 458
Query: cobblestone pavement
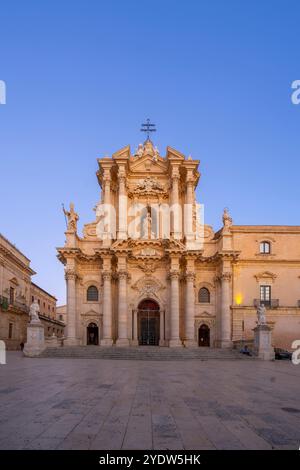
110, 404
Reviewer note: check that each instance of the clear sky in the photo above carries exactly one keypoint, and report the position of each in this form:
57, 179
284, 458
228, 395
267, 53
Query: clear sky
81, 76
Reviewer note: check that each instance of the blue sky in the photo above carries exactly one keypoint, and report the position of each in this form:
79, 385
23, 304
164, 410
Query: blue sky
81, 76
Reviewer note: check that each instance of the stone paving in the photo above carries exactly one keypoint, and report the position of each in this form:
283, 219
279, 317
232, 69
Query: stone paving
111, 404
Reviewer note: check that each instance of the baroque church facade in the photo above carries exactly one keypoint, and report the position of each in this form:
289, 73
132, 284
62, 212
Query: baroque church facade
148, 271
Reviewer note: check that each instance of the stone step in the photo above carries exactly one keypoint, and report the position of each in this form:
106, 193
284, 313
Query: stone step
150, 353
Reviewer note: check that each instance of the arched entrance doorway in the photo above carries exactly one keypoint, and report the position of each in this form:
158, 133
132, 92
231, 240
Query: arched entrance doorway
148, 323
204, 336
92, 334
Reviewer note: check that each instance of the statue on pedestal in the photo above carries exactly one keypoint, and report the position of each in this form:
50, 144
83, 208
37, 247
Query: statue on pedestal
227, 220
261, 315
34, 312
72, 217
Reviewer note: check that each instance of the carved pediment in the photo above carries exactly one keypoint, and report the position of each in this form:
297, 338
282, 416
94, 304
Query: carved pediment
91, 313
265, 275
149, 186
205, 314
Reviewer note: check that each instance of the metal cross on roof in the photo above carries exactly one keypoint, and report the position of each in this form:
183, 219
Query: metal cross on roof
148, 127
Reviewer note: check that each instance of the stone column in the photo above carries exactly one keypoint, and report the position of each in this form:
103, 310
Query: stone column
122, 310
190, 311
107, 310
107, 236
70, 276
135, 341
174, 310
162, 332
176, 208
188, 212
225, 310
122, 231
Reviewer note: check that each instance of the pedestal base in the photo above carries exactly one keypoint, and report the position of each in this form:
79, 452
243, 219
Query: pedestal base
35, 340
175, 343
263, 343
123, 342
106, 342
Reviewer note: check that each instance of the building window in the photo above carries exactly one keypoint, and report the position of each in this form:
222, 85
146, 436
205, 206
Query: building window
10, 330
11, 295
49, 307
61, 317
39, 302
265, 248
32, 298
204, 295
265, 295
92, 294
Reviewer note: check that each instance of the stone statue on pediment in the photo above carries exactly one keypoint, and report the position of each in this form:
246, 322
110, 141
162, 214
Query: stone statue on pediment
140, 151
72, 218
227, 220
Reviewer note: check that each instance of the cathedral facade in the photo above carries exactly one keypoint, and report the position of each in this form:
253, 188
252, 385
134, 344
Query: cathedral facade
148, 271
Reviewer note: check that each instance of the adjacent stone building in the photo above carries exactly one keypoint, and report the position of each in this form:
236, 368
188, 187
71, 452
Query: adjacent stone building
16, 294
148, 271
48, 315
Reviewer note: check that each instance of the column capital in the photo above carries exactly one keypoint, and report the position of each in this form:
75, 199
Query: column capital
70, 274
190, 276
226, 277
123, 274
106, 275
174, 274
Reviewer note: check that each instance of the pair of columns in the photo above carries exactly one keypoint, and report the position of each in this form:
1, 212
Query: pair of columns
226, 326
122, 203
122, 310
175, 340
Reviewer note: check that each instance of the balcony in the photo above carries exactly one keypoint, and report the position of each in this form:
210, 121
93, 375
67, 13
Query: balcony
273, 303
21, 306
4, 303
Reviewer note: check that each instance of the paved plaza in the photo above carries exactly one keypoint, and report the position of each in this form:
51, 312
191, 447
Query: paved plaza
111, 404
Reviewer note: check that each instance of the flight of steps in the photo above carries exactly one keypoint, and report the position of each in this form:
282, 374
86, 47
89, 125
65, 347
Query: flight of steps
142, 353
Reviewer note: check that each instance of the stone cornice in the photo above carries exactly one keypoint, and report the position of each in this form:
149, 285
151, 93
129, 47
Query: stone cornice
15, 260
265, 229
67, 252
260, 261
